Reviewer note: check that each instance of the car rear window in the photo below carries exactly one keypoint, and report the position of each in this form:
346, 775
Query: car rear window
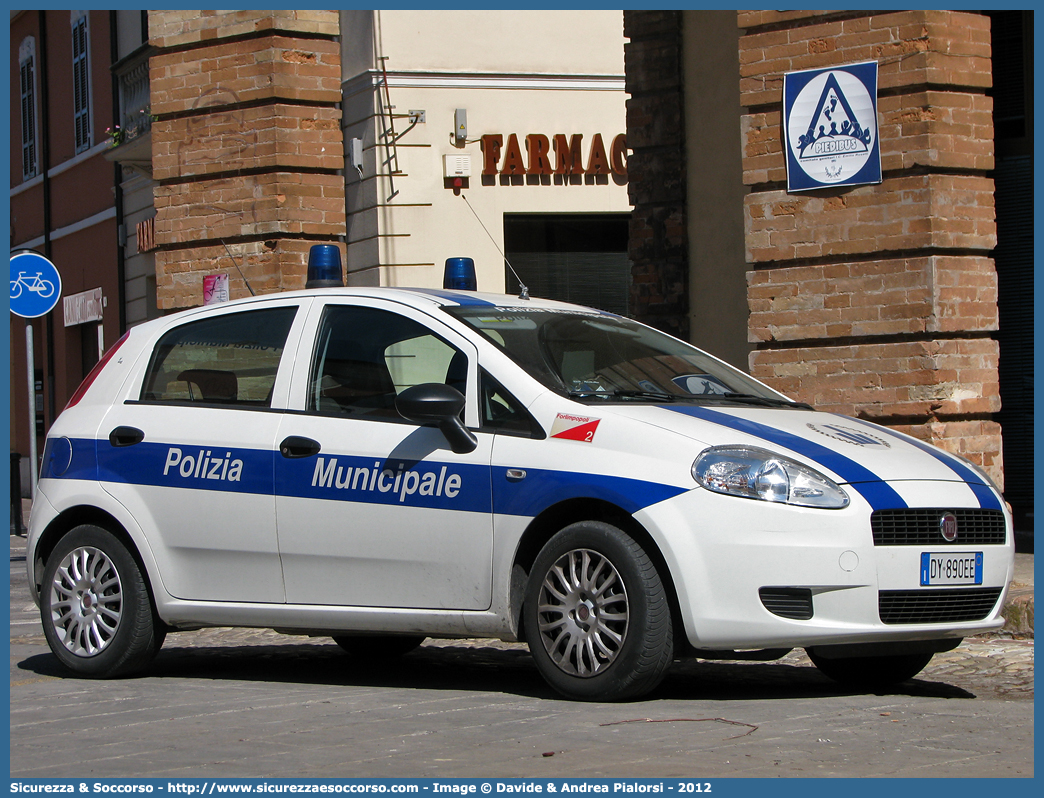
230, 359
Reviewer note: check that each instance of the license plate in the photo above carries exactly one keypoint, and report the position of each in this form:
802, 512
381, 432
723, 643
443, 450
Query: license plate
951, 568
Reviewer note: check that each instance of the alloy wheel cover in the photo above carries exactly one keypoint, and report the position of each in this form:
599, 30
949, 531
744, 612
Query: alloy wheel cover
86, 601
582, 613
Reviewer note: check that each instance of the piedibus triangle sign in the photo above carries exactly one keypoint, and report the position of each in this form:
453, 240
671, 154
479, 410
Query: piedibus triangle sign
830, 127
36, 285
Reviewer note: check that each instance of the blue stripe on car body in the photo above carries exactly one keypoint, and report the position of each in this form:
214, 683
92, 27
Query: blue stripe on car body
543, 488
876, 491
987, 498
467, 300
461, 487
209, 468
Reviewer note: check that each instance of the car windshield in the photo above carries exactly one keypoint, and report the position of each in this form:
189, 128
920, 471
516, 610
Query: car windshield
593, 356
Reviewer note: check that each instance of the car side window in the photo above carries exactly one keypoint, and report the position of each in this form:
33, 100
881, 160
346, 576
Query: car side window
365, 357
225, 360
502, 412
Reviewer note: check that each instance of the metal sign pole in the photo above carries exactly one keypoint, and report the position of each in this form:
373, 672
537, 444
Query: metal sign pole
31, 369
36, 287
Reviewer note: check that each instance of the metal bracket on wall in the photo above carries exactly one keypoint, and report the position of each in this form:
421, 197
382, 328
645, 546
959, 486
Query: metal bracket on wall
387, 135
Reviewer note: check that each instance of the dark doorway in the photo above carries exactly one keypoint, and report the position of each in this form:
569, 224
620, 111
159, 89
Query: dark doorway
571, 258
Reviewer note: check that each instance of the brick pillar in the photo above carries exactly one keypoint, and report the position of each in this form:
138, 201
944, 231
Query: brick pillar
879, 301
659, 246
246, 147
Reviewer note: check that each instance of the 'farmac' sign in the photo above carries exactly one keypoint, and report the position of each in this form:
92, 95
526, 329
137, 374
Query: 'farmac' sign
553, 156
830, 127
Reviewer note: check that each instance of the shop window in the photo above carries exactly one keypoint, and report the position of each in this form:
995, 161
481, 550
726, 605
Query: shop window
579, 258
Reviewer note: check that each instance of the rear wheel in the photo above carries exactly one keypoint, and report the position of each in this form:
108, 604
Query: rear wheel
596, 615
378, 647
871, 672
95, 606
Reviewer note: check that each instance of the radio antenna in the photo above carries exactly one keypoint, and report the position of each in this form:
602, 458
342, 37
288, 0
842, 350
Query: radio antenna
251, 290
525, 291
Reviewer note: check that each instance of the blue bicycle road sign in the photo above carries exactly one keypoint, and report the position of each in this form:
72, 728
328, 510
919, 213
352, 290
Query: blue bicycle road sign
36, 285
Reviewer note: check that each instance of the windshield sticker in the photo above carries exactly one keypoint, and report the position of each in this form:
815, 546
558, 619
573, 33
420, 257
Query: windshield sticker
567, 311
574, 428
502, 323
701, 385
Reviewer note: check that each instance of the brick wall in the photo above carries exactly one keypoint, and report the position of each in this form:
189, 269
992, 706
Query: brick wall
658, 245
276, 264
879, 301
246, 147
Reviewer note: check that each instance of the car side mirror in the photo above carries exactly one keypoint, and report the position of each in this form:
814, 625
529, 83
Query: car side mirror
433, 401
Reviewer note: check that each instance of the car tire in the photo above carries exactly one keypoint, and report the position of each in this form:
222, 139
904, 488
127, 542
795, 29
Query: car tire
378, 647
596, 615
871, 672
95, 606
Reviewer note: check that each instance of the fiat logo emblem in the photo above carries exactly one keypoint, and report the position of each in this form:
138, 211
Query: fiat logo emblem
948, 527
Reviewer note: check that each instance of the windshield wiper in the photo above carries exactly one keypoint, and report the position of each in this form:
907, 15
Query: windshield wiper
663, 396
658, 395
621, 393
766, 401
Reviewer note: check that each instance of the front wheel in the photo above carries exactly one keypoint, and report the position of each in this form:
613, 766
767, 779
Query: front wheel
596, 615
868, 673
95, 607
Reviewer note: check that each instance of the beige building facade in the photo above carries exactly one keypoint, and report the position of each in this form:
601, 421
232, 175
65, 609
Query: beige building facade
421, 117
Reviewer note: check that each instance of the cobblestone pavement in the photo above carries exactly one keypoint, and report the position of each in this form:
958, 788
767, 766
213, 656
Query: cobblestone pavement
246, 702
1006, 661
997, 665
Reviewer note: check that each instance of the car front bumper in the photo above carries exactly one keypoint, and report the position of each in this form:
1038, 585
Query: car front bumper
751, 575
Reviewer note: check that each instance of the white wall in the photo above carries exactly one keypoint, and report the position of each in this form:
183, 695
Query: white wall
541, 42
515, 72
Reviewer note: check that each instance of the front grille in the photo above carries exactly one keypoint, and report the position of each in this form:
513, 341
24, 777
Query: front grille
920, 527
788, 602
950, 605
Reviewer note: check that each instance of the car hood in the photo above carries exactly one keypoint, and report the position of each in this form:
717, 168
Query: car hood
848, 450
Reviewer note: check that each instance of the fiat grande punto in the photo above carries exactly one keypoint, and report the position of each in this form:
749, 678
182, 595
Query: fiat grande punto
384, 465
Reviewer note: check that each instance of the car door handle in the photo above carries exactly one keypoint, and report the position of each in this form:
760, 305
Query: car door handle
126, 436
295, 446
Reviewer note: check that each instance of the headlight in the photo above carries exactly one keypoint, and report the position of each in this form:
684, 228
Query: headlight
760, 474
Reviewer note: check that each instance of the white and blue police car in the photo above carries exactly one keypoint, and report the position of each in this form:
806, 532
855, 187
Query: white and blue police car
383, 465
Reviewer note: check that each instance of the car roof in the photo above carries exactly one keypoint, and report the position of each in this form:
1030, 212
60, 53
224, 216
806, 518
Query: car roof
426, 297
421, 298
